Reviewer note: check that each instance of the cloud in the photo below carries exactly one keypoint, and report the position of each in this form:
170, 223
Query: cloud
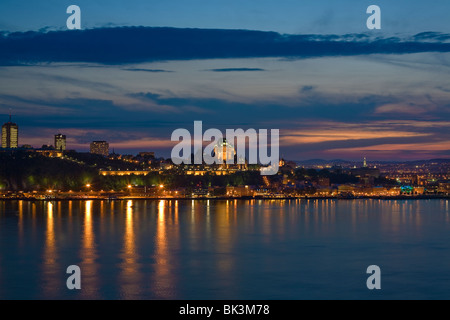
424, 146
386, 139
432, 37
236, 69
128, 45
348, 133
403, 108
303, 135
443, 89
307, 89
146, 70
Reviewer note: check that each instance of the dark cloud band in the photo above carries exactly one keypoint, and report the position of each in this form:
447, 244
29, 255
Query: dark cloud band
143, 44
236, 70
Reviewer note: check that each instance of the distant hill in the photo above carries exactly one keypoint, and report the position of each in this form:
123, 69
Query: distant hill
348, 163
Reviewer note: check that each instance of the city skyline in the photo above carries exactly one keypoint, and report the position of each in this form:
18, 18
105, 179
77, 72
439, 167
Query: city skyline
103, 147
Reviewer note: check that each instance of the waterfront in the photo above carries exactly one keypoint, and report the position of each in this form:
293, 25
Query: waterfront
225, 249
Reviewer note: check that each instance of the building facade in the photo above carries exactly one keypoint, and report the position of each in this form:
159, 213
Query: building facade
10, 135
100, 147
60, 142
224, 152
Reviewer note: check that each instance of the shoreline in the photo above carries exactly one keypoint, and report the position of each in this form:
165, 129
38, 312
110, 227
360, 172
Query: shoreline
426, 197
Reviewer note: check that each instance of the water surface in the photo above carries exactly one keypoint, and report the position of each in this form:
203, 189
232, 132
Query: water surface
281, 249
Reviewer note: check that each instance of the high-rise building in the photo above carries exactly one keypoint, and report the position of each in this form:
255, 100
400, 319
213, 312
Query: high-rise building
10, 135
100, 147
60, 142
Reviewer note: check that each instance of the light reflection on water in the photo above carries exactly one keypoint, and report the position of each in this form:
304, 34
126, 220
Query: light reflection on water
50, 259
163, 277
171, 249
88, 254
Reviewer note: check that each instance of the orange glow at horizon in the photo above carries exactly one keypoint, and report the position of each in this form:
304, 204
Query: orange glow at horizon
304, 137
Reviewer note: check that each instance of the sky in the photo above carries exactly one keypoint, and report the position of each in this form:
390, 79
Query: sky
140, 69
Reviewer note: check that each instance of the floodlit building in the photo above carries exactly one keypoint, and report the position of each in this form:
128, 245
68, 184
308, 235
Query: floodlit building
100, 147
60, 142
146, 154
225, 152
10, 135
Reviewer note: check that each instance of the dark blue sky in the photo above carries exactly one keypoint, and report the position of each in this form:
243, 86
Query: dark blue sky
284, 16
309, 68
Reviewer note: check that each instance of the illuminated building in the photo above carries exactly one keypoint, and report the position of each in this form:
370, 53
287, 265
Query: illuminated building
224, 152
50, 152
10, 135
60, 142
146, 154
240, 191
203, 172
100, 147
366, 173
124, 173
323, 182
